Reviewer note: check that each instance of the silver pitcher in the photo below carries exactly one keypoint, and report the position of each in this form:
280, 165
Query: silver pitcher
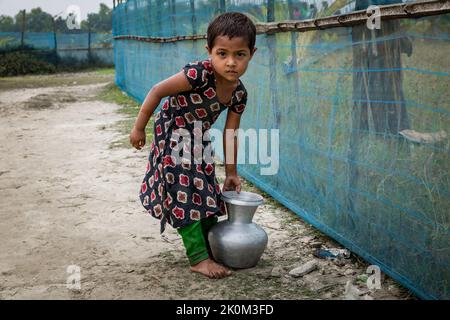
238, 242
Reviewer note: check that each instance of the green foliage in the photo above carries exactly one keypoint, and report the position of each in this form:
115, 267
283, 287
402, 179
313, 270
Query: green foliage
106, 71
99, 22
114, 94
61, 25
35, 21
19, 63
7, 24
16, 60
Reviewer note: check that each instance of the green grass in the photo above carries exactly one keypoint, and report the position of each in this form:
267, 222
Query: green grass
93, 76
130, 108
105, 71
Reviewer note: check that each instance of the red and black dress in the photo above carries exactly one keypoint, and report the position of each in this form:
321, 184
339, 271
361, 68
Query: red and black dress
182, 192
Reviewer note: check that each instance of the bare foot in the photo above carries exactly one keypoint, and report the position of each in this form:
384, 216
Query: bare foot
211, 269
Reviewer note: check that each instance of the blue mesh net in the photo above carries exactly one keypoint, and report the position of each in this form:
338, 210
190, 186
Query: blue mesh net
363, 119
73, 45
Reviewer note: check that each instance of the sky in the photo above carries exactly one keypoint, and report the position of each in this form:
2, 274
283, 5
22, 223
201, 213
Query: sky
53, 7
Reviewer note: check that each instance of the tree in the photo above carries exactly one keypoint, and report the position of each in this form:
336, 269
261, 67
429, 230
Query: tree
99, 22
61, 25
7, 24
36, 21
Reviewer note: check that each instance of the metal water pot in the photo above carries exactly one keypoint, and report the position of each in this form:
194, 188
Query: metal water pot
238, 242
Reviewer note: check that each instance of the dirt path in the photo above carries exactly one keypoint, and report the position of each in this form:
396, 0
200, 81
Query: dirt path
67, 198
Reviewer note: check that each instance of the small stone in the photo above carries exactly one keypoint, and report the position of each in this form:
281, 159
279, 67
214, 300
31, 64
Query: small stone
276, 272
394, 290
307, 239
263, 273
339, 262
316, 244
349, 272
351, 292
286, 280
328, 296
303, 269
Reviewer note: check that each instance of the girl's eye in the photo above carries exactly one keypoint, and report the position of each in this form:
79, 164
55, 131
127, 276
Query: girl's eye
242, 54
221, 54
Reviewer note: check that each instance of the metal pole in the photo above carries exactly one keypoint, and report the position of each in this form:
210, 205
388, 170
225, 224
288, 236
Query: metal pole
158, 17
174, 21
149, 19
54, 34
23, 29
89, 41
272, 45
270, 10
55, 41
293, 40
194, 18
222, 6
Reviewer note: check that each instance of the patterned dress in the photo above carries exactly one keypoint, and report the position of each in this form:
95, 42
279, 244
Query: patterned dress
180, 185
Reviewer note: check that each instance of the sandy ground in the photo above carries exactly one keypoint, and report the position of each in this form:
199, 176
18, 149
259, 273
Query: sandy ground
68, 199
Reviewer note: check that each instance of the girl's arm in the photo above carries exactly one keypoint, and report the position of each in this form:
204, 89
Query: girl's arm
171, 86
230, 147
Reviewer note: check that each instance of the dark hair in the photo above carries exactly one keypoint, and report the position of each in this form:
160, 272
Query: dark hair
232, 24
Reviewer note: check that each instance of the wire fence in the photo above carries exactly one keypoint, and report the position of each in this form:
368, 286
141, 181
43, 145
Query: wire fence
77, 44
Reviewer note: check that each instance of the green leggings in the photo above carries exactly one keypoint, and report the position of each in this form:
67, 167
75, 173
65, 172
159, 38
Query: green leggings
195, 239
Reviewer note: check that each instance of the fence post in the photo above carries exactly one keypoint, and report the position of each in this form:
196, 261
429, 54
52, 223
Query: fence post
23, 30
158, 17
174, 21
270, 10
150, 21
222, 6
89, 42
55, 41
272, 46
54, 34
194, 18
293, 41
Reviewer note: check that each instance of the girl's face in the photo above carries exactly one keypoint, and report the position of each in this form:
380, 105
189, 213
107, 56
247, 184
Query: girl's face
230, 57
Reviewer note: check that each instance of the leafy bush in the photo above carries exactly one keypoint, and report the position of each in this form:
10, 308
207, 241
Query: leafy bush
20, 63
16, 60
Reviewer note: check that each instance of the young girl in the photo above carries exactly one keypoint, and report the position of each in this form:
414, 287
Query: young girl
186, 194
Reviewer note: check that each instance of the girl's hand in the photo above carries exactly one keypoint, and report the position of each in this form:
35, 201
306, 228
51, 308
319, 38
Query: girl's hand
232, 183
137, 138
